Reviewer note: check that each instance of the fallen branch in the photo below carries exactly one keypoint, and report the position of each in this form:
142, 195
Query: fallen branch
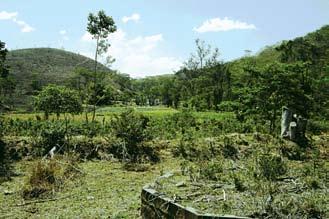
41, 201
193, 194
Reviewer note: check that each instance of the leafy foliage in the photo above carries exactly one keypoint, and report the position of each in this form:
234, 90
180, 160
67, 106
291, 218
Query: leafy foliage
7, 83
58, 99
131, 128
271, 166
99, 26
32, 69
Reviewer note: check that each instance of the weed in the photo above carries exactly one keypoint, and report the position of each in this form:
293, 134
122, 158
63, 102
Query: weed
48, 176
238, 183
211, 170
5, 163
131, 129
271, 166
229, 150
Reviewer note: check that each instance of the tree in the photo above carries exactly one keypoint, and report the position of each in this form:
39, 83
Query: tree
100, 26
3, 53
58, 99
7, 84
203, 57
274, 86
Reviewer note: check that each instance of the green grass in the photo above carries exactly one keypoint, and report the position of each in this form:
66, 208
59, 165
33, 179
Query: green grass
105, 190
152, 111
109, 111
216, 184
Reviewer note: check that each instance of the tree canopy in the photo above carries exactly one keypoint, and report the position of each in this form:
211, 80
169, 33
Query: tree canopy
58, 99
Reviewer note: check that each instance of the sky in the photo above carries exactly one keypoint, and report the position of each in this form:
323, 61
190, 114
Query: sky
156, 36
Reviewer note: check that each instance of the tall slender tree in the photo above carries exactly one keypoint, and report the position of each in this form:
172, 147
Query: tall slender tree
100, 26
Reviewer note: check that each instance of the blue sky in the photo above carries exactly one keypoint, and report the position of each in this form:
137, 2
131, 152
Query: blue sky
157, 36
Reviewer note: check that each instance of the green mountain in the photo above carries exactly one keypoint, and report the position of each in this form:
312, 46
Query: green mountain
35, 67
46, 65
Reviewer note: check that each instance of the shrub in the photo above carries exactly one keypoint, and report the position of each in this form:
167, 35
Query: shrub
271, 166
91, 129
211, 170
49, 176
131, 128
229, 106
91, 148
238, 183
5, 167
4, 162
193, 149
52, 134
184, 120
229, 150
317, 127
293, 152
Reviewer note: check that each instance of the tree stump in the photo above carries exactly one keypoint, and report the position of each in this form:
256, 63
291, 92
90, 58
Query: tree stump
293, 127
285, 122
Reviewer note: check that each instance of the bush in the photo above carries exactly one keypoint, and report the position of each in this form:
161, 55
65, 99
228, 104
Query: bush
4, 162
131, 129
53, 134
211, 170
49, 176
271, 166
193, 149
293, 152
49, 135
317, 127
229, 150
91, 129
5, 167
184, 120
229, 106
91, 148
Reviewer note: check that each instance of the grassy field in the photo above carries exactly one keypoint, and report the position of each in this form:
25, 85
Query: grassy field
217, 172
108, 112
104, 190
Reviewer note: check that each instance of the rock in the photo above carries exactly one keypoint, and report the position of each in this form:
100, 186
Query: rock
8, 192
167, 175
89, 197
180, 184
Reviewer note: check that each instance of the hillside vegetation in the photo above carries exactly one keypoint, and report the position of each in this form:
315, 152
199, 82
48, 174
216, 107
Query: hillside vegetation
207, 137
34, 68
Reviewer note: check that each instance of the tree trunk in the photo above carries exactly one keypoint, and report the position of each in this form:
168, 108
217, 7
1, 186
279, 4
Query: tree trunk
95, 80
293, 131
285, 122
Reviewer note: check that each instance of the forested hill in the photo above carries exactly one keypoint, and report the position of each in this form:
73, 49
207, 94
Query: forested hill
31, 69
293, 73
45, 65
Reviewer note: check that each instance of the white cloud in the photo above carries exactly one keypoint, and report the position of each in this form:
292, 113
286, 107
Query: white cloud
25, 28
154, 38
63, 33
4, 15
134, 17
136, 56
87, 37
226, 24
